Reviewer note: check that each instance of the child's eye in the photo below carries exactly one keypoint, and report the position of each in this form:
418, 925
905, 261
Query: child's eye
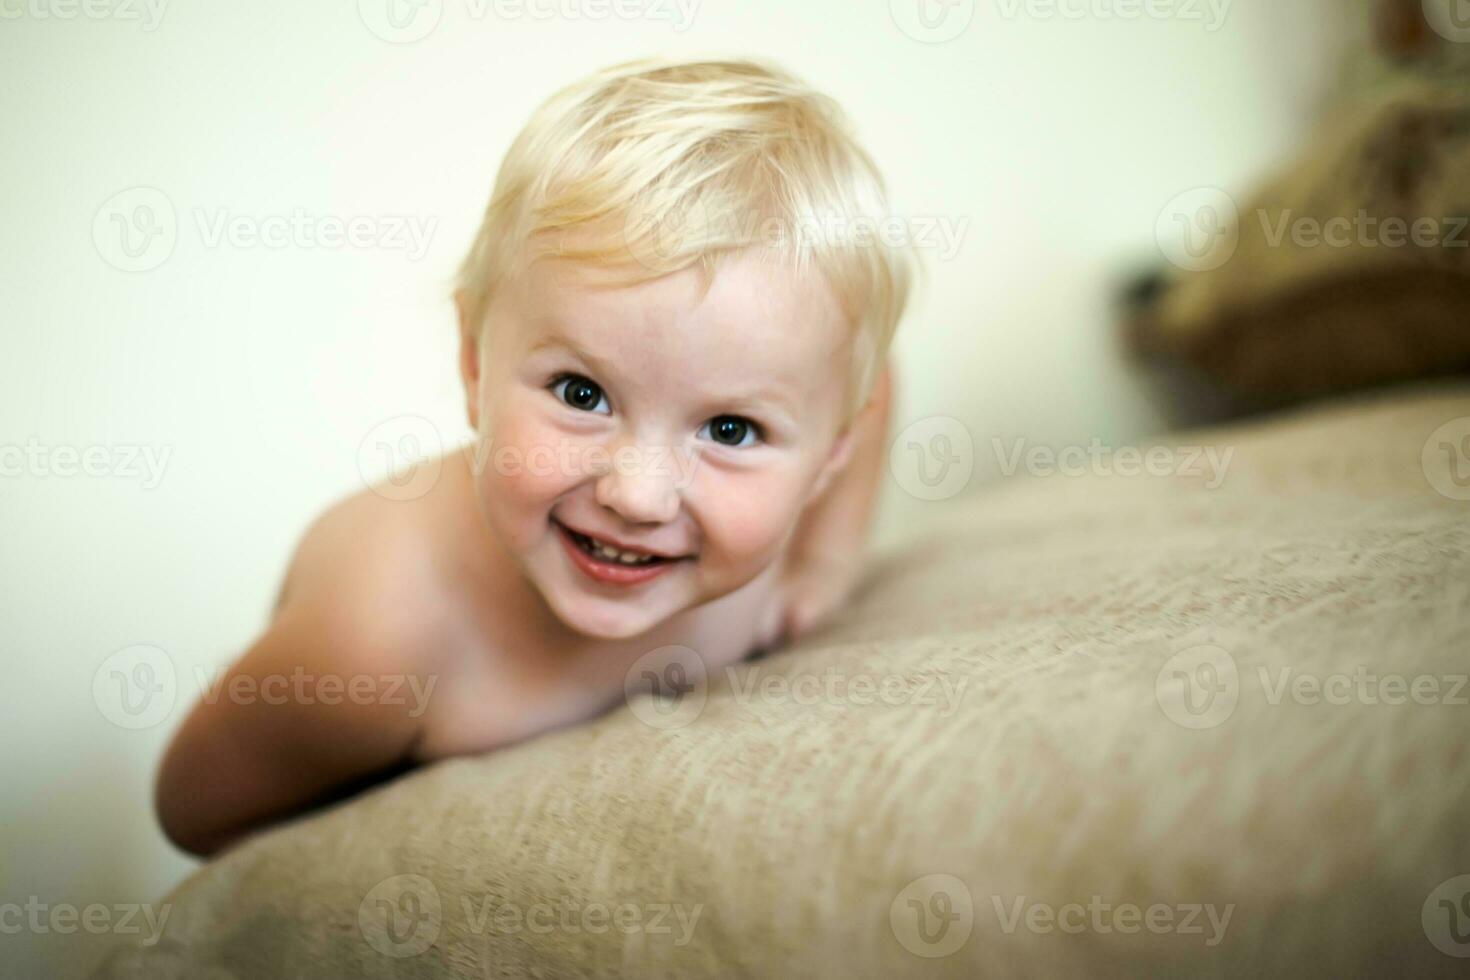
732, 430
581, 393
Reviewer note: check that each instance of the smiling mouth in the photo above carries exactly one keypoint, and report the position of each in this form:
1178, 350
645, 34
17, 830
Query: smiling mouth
611, 554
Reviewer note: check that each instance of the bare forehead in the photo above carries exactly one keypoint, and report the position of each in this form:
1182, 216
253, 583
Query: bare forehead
754, 310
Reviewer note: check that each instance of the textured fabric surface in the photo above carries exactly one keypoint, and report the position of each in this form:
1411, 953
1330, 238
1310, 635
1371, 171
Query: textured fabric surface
1125, 725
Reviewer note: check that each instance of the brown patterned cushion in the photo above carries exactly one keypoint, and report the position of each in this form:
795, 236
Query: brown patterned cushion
1331, 284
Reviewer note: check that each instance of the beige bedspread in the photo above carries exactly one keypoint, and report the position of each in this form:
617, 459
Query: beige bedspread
1095, 725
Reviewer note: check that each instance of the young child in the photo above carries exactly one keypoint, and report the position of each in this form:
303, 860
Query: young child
673, 336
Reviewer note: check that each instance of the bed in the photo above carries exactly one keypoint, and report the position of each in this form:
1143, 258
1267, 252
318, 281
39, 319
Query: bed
1206, 723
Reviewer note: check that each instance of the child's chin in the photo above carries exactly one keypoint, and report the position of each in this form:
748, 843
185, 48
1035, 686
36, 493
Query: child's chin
607, 620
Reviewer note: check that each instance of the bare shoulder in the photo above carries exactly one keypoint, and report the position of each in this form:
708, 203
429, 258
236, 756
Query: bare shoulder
370, 570
336, 688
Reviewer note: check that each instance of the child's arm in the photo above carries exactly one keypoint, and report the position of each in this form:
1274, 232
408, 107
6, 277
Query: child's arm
826, 552
281, 730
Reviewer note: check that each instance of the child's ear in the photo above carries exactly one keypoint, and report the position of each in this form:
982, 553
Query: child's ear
837, 460
868, 427
469, 359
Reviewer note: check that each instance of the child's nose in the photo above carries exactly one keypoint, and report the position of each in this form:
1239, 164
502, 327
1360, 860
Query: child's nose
637, 488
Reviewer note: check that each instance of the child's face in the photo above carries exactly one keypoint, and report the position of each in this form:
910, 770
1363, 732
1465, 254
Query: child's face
648, 417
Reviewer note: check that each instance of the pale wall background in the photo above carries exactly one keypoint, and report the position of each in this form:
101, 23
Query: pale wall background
261, 370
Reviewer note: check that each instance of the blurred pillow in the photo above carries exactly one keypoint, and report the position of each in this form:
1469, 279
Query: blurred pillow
1350, 269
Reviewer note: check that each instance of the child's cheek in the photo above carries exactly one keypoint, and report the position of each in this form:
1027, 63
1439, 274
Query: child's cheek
748, 516
531, 460
527, 465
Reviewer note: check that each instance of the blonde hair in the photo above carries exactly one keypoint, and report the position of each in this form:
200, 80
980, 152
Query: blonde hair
652, 166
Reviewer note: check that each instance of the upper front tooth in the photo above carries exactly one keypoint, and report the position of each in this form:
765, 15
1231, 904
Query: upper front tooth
607, 550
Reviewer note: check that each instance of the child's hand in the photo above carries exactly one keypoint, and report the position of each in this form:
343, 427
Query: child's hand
814, 588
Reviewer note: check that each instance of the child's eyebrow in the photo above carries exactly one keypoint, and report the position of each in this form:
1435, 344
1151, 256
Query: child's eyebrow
558, 343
